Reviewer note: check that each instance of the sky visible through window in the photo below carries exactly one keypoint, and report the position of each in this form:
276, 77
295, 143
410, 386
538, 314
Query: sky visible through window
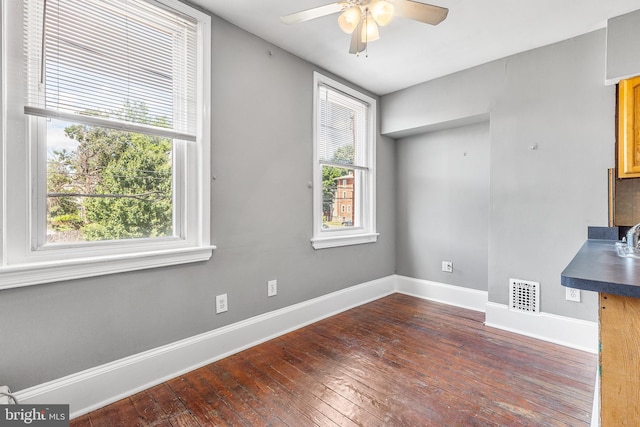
57, 140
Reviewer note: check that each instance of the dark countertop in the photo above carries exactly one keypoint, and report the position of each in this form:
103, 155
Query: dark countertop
597, 267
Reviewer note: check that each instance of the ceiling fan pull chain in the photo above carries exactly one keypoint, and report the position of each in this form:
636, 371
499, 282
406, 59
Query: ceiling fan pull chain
366, 33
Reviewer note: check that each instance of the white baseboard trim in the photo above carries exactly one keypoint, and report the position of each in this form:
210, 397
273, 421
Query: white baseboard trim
566, 331
471, 299
96, 387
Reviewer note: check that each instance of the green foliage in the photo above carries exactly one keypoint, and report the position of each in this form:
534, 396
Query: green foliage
329, 175
61, 209
66, 222
119, 183
141, 171
345, 154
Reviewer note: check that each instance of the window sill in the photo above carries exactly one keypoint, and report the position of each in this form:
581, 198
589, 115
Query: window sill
16, 276
343, 240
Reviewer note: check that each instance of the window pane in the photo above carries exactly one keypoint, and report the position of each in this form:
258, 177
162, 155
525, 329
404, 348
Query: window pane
94, 55
338, 197
105, 184
342, 128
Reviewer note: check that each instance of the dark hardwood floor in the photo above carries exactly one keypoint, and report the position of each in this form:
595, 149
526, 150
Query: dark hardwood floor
398, 361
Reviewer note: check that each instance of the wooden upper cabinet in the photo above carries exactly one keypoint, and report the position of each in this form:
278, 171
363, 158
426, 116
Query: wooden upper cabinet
629, 128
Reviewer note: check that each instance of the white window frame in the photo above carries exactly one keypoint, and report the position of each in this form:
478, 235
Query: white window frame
365, 196
23, 261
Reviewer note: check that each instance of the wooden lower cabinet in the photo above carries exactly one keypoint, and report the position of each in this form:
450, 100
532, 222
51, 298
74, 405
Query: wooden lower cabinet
619, 360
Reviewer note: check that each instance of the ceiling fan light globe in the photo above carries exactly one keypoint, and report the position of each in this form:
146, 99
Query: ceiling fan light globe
382, 12
370, 31
349, 19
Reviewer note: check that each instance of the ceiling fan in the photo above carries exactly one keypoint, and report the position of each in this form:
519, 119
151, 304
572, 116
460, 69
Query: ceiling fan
361, 18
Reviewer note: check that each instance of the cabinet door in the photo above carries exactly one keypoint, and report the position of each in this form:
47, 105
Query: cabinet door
619, 361
629, 128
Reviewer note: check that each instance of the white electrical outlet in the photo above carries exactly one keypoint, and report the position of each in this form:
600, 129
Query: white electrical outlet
447, 266
221, 303
572, 294
272, 288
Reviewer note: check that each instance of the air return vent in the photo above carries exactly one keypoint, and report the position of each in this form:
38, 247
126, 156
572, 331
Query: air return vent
524, 296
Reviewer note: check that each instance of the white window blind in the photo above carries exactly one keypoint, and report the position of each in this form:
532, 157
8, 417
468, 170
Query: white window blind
89, 59
343, 125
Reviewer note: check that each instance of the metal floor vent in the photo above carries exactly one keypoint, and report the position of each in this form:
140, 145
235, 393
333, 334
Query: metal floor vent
524, 296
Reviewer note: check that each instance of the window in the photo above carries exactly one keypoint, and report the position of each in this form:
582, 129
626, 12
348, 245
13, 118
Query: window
113, 101
344, 165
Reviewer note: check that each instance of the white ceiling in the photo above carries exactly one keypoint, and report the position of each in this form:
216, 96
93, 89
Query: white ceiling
408, 52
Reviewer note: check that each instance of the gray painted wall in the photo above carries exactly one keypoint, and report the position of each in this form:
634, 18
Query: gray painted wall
443, 205
261, 223
623, 38
541, 201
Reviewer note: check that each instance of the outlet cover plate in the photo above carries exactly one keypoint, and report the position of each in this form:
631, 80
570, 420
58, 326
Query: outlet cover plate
572, 294
272, 288
447, 266
221, 303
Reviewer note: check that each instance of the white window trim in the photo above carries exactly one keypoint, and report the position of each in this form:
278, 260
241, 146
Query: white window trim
22, 266
323, 239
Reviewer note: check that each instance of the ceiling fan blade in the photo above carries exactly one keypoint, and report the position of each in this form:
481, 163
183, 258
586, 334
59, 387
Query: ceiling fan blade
357, 45
422, 12
309, 14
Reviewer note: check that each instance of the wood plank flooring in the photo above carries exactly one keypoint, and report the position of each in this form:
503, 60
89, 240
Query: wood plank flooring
398, 361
